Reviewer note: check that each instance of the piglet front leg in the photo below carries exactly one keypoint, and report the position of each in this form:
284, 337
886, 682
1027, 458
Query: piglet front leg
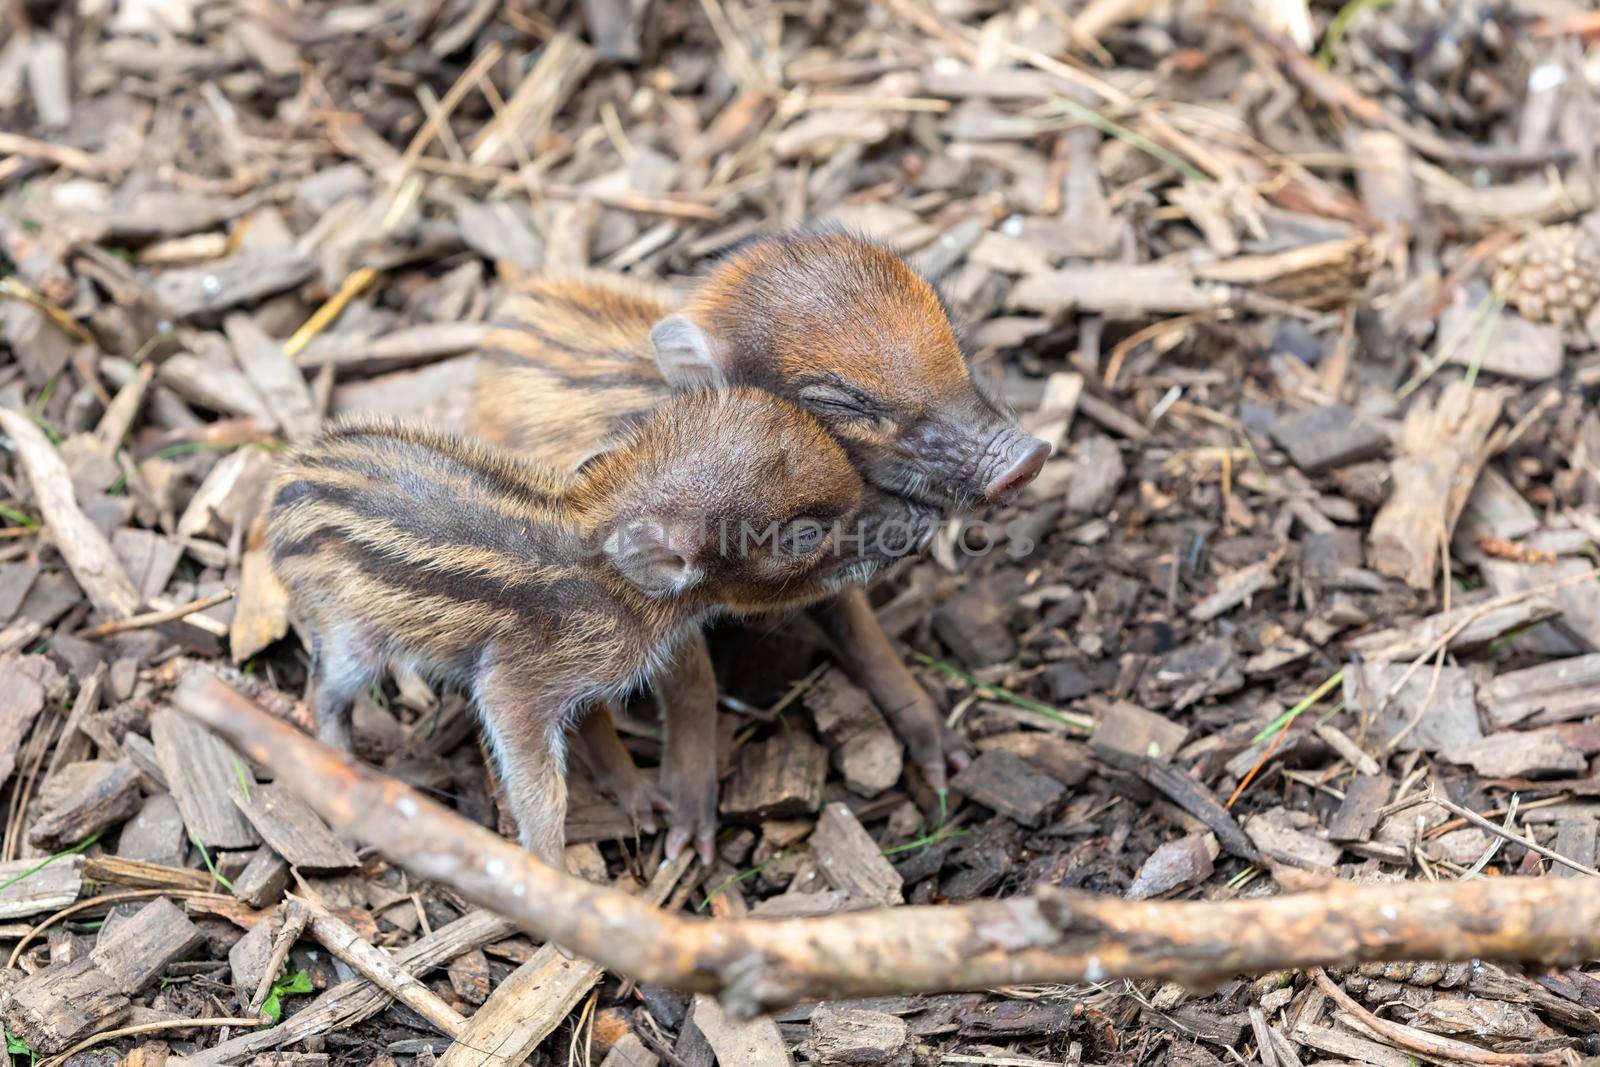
688, 692
871, 659
526, 732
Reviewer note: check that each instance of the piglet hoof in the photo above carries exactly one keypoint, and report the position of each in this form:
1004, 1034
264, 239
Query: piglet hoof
688, 829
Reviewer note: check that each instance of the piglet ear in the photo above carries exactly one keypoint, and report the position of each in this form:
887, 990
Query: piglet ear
685, 354
653, 556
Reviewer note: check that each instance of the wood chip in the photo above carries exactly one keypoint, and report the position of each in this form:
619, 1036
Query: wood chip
779, 778
842, 1035
1435, 717
851, 860
756, 1043
1361, 809
1282, 838
47, 889
1443, 447
82, 799
1322, 438
1009, 786
1485, 627
293, 830
865, 750
23, 681
202, 772
1125, 734
1559, 691
1537, 754
1175, 865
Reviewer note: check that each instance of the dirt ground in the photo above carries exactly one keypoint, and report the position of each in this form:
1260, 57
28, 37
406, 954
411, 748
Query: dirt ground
1305, 297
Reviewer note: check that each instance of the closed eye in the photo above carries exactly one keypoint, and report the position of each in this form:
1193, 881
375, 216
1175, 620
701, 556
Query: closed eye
832, 400
802, 537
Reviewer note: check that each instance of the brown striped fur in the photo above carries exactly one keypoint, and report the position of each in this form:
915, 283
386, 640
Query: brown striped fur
516, 580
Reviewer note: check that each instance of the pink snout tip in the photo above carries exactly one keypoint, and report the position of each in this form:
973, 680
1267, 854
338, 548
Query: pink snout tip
1026, 462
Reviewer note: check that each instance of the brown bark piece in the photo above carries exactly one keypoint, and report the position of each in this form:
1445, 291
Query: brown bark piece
755, 1043
1009, 786
865, 750
1176, 864
842, 1035
148, 557
81, 799
204, 293
263, 879
1282, 838
1559, 691
65, 1002
1068, 762
1576, 838
1362, 808
779, 778
57, 1006
1536, 754
851, 860
202, 773
24, 684
155, 834
1190, 794
972, 625
141, 947
1322, 438
293, 830
261, 611
50, 887
1482, 628
250, 955
135, 874
1442, 449
1436, 717
1506, 343
275, 377
1579, 600
1125, 733
469, 976
1237, 587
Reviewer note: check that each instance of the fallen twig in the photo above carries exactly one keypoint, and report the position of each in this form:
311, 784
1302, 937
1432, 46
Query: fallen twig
89, 556
1500, 831
156, 618
1052, 935
1414, 1040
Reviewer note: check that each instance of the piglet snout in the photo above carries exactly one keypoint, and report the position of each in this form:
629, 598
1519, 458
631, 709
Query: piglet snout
1020, 464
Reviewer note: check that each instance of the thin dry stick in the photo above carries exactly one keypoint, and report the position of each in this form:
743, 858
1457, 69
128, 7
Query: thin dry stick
1052, 935
156, 618
1415, 1040
1528, 843
294, 921
143, 1028
344, 942
1492, 604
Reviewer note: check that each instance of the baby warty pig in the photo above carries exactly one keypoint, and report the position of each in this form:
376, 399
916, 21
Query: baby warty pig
834, 322
540, 591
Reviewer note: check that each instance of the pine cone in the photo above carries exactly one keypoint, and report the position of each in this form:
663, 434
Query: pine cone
1448, 63
1552, 275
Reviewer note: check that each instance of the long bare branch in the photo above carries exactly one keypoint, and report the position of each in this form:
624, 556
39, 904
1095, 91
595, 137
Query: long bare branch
1053, 935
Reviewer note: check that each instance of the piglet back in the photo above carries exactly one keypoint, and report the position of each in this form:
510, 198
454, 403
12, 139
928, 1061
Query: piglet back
428, 539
